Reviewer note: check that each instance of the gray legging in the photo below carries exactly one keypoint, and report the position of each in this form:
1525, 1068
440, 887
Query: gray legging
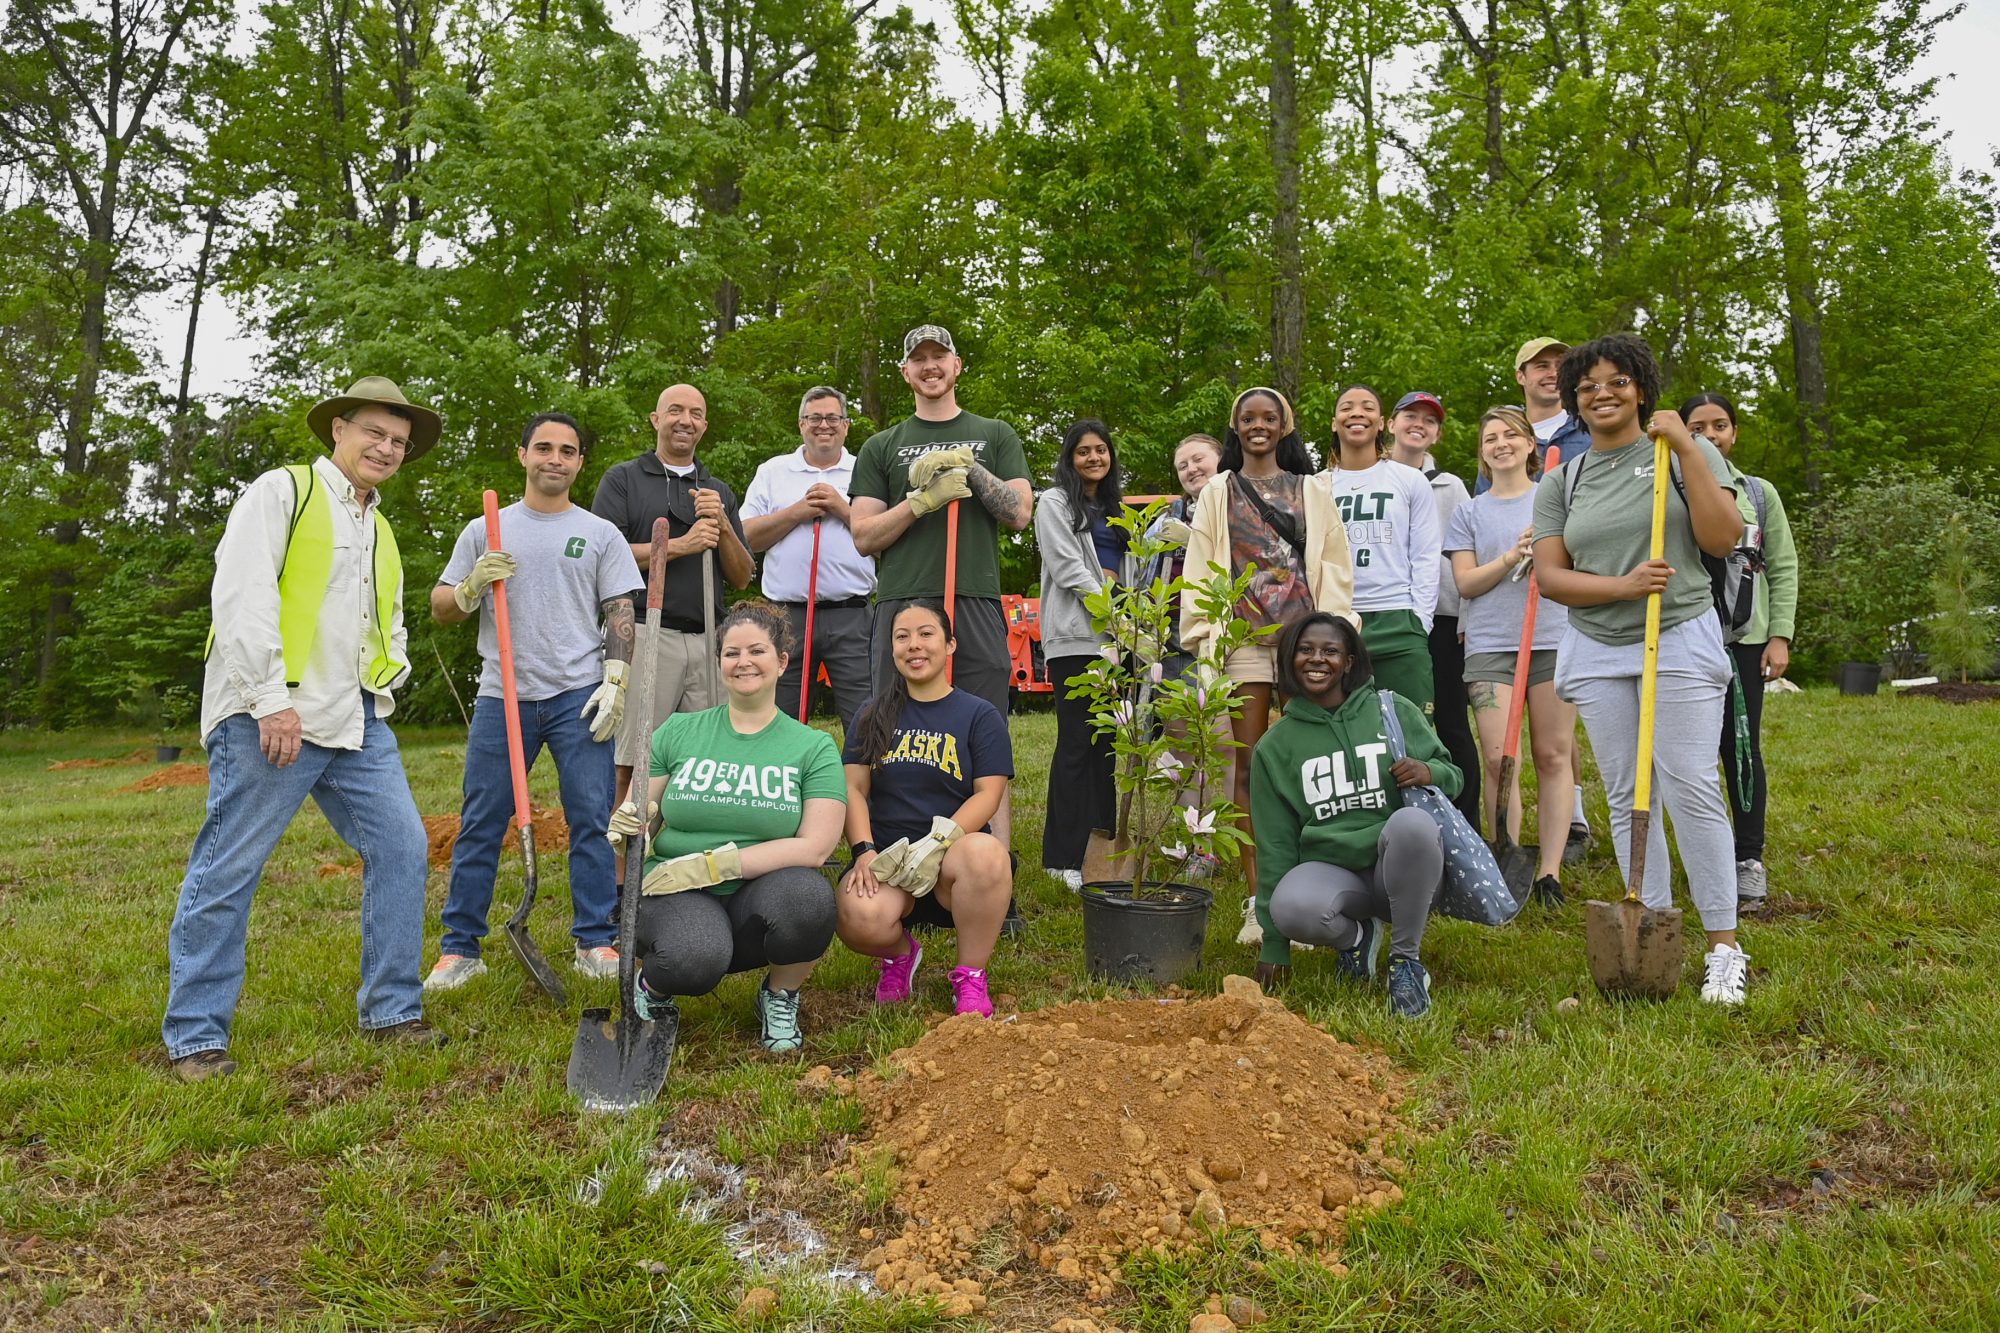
1324, 905
689, 941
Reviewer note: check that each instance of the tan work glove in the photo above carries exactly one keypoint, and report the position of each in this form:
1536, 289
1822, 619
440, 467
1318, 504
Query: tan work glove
919, 872
889, 861
487, 570
940, 491
696, 870
625, 823
608, 703
925, 467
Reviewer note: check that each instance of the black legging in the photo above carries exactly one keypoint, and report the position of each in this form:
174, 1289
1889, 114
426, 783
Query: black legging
1749, 659
688, 942
1452, 722
1080, 790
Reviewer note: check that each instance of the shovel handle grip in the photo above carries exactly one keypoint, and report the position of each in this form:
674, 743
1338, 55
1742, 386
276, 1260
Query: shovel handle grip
503, 633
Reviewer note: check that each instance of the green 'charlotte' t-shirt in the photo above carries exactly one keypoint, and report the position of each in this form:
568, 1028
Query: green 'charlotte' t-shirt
914, 565
723, 786
1606, 521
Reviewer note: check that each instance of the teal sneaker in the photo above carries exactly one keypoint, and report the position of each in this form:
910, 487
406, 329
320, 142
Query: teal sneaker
778, 1020
1358, 963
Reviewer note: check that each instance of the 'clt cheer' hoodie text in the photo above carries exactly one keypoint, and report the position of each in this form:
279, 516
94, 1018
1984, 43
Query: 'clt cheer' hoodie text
1321, 790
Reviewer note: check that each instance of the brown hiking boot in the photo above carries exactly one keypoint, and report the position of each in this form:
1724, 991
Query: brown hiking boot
204, 1065
414, 1032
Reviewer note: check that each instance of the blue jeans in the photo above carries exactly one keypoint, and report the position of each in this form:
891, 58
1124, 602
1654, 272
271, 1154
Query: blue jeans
584, 768
365, 795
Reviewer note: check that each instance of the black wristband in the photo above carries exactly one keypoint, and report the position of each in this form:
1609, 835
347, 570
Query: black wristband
855, 849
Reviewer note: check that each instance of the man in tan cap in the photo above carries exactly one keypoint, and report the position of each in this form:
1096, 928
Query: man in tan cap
306, 647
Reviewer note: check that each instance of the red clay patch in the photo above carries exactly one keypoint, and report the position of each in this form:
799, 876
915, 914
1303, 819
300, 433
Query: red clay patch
144, 755
173, 775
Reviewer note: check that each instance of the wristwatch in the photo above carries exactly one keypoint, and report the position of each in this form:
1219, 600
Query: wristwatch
854, 850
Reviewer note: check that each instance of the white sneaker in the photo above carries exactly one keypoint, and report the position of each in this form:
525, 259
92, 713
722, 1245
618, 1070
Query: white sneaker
601, 961
1252, 934
454, 970
1728, 969
1071, 879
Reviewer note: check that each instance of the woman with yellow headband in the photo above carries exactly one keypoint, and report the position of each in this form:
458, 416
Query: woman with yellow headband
1267, 510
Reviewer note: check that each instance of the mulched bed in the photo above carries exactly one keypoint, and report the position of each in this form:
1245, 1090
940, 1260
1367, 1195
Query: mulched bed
1951, 692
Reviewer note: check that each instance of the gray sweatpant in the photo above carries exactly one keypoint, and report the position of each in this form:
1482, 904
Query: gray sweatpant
1324, 905
1602, 680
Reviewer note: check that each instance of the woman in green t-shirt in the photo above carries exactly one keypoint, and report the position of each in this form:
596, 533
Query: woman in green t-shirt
1593, 546
750, 804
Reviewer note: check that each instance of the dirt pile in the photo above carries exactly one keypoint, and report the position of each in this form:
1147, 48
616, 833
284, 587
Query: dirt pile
1076, 1135
143, 755
1953, 692
173, 775
551, 833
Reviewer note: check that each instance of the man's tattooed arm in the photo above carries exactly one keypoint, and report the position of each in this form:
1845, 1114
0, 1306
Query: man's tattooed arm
1007, 505
619, 630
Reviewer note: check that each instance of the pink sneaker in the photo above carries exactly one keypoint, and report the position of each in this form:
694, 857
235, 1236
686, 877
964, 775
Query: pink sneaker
899, 974
969, 985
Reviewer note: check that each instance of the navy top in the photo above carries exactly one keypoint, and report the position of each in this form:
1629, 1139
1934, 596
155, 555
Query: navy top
941, 747
1110, 542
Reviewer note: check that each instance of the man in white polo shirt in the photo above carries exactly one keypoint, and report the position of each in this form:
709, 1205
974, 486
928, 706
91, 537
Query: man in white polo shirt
790, 496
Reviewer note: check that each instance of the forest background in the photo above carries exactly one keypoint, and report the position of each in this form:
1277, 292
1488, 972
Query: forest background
1126, 209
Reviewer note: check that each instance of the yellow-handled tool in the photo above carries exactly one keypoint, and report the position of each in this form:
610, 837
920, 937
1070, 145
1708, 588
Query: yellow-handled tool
1634, 949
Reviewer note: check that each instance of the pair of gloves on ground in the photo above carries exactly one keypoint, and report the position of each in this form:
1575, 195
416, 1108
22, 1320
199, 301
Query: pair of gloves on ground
913, 866
695, 870
939, 477
608, 702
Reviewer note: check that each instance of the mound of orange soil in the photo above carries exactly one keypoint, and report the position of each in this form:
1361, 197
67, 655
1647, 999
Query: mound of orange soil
173, 775
1076, 1135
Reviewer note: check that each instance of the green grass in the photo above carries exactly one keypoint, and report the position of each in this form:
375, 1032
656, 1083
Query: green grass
1829, 1156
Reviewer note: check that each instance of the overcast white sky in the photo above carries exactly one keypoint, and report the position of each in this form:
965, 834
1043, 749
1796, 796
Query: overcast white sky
1967, 109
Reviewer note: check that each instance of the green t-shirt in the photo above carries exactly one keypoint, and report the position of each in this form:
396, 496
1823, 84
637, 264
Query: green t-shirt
1606, 521
914, 566
723, 786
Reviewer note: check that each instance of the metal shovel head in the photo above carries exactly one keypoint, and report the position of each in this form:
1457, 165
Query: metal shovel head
1634, 949
524, 946
1517, 863
621, 1065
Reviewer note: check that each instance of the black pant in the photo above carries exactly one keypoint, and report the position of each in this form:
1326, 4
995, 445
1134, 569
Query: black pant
1453, 723
1749, 660
688, 942
1080, 797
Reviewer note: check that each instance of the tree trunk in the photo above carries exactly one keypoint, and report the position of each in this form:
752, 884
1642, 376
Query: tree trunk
174, 465
1288, 316
1802, 307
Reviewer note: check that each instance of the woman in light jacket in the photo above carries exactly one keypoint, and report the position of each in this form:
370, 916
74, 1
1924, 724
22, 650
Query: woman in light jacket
1081, 552
1266, 470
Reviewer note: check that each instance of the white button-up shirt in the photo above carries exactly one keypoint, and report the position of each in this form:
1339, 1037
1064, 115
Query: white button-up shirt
843, 571
246, 667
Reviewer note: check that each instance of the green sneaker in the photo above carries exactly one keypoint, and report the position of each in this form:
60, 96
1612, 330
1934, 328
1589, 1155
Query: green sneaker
778, 1020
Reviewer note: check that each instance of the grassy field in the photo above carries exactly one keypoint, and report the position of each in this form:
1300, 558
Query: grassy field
1829, 1156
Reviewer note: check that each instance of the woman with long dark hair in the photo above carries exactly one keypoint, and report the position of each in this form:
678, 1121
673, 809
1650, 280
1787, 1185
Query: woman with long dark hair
1270, 511
925, 768
1081, 552
1760, 649
1342, 854
1593, 553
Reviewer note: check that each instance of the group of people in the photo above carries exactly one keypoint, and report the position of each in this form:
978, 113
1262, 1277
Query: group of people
881, 571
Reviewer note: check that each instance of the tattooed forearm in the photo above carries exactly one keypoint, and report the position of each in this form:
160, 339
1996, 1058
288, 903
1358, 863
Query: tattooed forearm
619, 630
1001, 500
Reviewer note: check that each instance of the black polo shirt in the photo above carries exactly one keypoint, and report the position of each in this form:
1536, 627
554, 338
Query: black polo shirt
634, 493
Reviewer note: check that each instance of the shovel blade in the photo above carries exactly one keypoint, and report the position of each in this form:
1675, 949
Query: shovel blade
1517, 866
621, 1065
532, 958
1634, 949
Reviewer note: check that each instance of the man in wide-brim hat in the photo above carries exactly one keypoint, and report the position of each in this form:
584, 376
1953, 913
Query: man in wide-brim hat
306, 649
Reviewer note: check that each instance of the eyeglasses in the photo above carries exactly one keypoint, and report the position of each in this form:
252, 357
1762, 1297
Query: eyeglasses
1590, 388
376, 436
822, 419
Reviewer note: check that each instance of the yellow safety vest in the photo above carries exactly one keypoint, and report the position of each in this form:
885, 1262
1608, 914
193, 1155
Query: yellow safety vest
308, 569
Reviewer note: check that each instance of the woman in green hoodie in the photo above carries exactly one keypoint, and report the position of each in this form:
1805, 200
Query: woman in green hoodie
1338, 851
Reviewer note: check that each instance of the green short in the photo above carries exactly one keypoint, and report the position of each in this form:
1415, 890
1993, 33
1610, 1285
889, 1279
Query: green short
1498, 668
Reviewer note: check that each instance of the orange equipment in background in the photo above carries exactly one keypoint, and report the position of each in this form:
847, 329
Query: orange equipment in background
1028, 672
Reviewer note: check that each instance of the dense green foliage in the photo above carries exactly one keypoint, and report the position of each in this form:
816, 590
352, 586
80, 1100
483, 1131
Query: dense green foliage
520, 207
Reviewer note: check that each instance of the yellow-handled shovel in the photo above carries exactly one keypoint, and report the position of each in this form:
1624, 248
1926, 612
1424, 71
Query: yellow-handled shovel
1635, 949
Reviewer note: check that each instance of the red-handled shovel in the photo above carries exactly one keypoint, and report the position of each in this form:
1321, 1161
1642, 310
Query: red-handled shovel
806, 648
523, 943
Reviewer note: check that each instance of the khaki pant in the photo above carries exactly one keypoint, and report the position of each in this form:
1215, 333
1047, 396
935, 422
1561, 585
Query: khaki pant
680, 685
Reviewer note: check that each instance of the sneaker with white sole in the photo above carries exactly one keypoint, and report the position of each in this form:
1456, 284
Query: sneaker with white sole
896, 977
1069, 879
1357, 963
454, 970
1252, 933
1752, 886
968, 989
1728, 971
1409, 988
778, 1021
598, 961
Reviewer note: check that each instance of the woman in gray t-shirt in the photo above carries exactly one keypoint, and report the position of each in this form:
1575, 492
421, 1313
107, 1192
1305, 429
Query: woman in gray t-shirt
1593, 537
1487, 544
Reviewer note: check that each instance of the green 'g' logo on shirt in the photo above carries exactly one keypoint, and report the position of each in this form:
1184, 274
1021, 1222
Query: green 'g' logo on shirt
573, 548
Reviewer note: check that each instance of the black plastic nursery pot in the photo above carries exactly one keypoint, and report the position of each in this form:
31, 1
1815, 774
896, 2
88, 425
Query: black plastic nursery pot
1860, 677
166, 754
1153, 936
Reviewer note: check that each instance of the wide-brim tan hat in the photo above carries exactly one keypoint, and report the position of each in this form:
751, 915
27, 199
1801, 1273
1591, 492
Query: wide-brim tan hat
378, 391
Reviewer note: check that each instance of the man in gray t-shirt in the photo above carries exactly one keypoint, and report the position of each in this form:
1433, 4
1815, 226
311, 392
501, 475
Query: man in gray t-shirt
566, 570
